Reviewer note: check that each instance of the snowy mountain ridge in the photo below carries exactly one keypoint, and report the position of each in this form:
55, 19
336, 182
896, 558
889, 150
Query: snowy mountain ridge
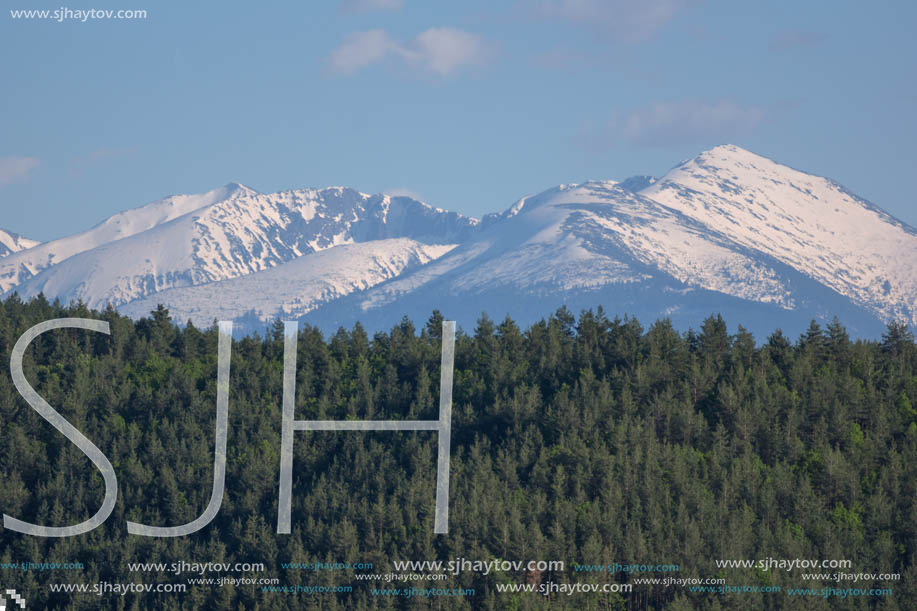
296, 288
587, 236
11, 243
727, 230
223, 234
17, 269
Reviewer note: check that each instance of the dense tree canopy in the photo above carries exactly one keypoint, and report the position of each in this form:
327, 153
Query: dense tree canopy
589, 440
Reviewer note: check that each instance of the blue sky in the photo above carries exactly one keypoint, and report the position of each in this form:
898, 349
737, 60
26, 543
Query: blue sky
469, 105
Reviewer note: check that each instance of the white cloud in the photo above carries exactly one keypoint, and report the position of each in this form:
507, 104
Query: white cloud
15, 168
362, 6
625, 20
438, 51
682, 122
442, 50
361, 49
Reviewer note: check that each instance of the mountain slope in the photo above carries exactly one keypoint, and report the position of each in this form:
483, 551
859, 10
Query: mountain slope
295, 288
808, 222
12, 243
19, 267
589, 235
597, 244
234, 236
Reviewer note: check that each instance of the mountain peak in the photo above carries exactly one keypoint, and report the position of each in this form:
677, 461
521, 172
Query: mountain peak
726, 147
234, 187
729, 155
11, 242
728, 150
802, 220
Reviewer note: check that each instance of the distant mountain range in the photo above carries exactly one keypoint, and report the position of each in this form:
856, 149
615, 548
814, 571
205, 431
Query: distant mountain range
727, 231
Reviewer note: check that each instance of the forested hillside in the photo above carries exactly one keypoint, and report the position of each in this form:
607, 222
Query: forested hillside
592, 440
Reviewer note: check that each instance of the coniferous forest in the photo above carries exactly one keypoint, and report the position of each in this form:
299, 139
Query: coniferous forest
590, 439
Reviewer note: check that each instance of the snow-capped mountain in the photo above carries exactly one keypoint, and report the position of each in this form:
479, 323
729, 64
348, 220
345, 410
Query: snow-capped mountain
596, 243
808, 222
728, 231
16, 269
588, 236
296, 288
186, 241
11, 243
